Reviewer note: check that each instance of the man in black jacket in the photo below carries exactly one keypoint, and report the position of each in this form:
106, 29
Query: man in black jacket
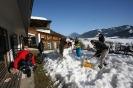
101, 38
102, 47
41, 48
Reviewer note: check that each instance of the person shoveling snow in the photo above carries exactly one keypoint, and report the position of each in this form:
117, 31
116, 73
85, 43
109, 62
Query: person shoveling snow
102, 47
78, 48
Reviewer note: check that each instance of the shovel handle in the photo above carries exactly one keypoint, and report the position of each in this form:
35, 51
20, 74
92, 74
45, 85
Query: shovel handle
95, 56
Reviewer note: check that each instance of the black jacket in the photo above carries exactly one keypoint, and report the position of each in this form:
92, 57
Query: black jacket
41, 47
76, 42
100, 46
101, 39
63, 41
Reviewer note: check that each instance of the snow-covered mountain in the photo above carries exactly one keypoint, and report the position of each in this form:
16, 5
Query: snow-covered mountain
121, 31
74, 34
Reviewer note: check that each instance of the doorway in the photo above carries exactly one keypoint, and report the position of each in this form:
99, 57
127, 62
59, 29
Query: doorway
4, 47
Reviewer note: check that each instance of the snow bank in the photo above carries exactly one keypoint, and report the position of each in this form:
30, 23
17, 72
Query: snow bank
70, 74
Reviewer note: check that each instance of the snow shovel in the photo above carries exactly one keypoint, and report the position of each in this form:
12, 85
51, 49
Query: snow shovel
88, 64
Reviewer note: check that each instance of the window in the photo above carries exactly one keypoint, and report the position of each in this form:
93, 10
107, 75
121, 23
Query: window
49, 45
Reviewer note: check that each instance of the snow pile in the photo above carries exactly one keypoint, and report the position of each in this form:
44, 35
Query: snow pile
69, 73
86, 43
66, 51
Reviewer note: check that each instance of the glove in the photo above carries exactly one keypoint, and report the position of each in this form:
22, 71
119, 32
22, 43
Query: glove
34, 68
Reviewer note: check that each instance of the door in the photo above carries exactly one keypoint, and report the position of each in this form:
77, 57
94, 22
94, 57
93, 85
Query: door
4, 48
55, 45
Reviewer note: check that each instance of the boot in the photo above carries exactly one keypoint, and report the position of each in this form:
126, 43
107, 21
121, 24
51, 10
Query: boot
104, 64
29, 75
99, 66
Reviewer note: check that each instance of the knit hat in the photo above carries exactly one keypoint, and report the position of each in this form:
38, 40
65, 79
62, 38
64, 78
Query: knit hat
67, 40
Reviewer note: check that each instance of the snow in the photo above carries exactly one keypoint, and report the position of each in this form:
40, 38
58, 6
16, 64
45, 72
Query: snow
131, 31
128, 27
39, 18
99, 30
29, 34
124, 41
86, 43
69, 73
114, 39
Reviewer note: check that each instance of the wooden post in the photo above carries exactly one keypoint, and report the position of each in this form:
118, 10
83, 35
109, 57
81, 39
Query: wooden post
46, 42
52, 43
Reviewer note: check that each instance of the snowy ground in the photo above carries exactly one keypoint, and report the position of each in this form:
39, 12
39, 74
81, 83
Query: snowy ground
70, 74
124, 41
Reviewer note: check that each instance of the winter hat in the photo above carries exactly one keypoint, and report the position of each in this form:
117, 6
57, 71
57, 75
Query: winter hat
67, 40
76, 39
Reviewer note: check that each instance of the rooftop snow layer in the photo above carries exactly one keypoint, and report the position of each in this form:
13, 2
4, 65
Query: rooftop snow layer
39, 18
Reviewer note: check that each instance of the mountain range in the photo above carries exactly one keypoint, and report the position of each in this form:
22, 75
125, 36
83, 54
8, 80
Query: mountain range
121, 31
74, 34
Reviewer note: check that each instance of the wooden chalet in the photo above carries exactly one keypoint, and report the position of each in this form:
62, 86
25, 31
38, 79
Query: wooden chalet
40, 28
51, 40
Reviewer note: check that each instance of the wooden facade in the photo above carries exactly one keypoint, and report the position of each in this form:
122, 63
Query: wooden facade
49, 39
40, 28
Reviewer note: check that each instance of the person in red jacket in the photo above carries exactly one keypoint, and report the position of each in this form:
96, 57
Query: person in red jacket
24, 58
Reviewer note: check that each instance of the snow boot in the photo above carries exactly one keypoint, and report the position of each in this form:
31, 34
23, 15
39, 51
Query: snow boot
99, 66
104, 64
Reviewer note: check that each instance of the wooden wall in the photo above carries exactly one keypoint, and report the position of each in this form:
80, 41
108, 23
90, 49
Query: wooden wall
48, 38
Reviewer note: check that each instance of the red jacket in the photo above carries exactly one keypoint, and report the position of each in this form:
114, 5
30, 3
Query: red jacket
22, 56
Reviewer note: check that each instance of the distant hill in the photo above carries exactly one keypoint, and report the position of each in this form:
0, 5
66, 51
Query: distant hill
125, 33
121, 31
74, 34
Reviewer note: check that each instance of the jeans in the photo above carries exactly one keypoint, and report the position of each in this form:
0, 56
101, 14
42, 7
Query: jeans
41, 56
26, 64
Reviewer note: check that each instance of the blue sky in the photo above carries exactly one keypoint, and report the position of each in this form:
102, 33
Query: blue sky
80, 16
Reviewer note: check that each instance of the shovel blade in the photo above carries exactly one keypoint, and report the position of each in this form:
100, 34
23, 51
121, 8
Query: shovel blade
87, 64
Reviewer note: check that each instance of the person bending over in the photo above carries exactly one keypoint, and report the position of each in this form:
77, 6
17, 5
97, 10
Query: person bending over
24, 58
102, 47
63, 42
101, 38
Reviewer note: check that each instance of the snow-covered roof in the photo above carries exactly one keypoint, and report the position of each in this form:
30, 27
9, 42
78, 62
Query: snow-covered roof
38, 18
